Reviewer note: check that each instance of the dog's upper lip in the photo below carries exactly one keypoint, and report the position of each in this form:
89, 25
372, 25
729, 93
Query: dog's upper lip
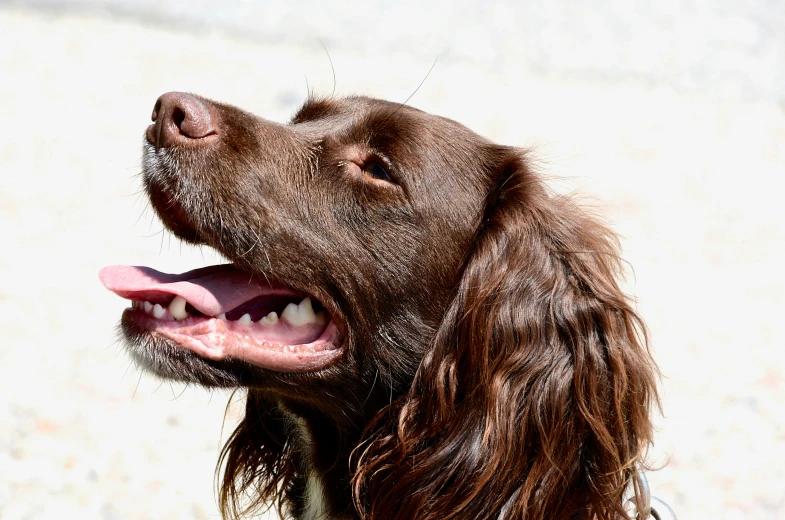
173, 214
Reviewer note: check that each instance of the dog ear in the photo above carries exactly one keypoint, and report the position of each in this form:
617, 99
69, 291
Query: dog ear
533, 399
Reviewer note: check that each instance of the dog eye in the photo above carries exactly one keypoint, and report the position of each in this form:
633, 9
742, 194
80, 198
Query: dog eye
376, 171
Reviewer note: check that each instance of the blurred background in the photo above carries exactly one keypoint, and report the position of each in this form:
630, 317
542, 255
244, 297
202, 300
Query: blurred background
670, 114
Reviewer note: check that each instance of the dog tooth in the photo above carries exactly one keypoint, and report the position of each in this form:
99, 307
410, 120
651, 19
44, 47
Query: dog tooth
222, 316
299, 314
291, 314
177, 308
305, 307
270, 319
148, 307
245, 319
158, 311
292, 348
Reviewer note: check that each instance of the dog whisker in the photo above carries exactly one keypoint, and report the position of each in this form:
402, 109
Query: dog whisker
137, 385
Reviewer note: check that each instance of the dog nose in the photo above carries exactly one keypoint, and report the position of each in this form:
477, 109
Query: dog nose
180, 119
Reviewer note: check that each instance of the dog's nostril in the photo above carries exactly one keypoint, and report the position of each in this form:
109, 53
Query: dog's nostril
181, 119
178, 116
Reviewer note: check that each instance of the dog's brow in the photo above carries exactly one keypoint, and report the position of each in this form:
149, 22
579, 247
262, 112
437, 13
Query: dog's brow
314, 109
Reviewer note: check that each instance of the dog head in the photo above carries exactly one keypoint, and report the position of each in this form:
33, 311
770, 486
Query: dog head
407, 283
366, 208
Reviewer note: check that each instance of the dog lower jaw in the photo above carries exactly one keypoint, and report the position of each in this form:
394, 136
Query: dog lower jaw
212, 339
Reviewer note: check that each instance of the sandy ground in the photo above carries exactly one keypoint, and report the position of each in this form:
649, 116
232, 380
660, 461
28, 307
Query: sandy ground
692, 181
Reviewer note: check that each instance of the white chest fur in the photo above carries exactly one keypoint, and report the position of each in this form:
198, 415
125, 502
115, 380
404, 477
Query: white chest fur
315, 507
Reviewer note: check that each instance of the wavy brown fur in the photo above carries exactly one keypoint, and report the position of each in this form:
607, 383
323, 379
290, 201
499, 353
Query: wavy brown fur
533, 399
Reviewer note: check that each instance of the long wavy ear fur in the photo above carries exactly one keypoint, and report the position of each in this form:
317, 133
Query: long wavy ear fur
534, 399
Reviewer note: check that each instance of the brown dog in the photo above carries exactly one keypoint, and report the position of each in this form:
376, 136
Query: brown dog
423, 330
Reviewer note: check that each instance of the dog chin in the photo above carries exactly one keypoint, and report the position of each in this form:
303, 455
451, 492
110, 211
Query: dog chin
165, 359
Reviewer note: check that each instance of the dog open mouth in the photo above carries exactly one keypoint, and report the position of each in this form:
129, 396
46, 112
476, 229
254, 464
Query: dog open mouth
221, 312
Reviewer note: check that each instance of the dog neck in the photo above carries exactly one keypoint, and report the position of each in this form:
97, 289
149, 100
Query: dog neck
322, 463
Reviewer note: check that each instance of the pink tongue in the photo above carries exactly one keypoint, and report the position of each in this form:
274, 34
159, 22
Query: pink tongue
211, 290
